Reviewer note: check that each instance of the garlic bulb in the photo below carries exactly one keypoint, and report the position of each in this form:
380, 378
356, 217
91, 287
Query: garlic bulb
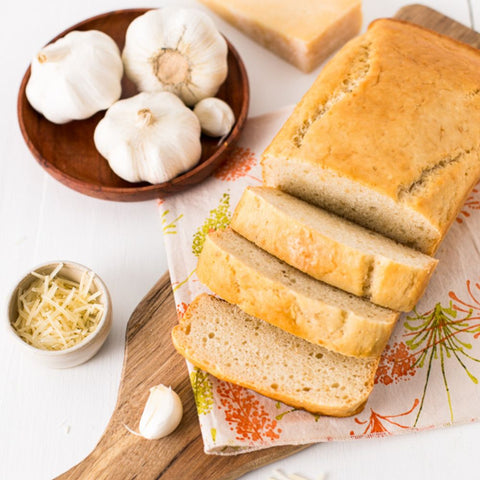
215, 116
178, 50
151, 137
162, 414
76, 76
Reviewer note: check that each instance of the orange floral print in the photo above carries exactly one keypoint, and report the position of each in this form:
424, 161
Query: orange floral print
238, 164
377, 424
396, 364
279, 405
245, 415
472, 203
470, 307
181, 309
440, 335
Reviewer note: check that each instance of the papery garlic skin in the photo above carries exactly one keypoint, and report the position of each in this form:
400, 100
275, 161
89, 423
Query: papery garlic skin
162, 413
75, 77
178, 50
150, 137
215, 116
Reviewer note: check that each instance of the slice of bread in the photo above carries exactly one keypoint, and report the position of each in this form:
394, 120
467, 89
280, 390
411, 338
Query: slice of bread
333, 249
233, 346
264, 286
387, 135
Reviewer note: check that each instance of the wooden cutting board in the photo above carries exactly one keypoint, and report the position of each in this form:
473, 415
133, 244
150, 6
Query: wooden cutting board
150, 359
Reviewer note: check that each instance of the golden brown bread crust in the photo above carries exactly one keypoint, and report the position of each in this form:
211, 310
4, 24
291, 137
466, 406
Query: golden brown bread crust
179, 338
397, 113
317, 320
336, 261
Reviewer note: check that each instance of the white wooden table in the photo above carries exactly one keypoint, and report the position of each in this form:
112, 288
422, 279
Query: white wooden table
50, 420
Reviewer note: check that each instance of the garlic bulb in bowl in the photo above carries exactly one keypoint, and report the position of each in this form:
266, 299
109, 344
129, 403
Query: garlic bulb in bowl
150, 137
177, 50
75, 77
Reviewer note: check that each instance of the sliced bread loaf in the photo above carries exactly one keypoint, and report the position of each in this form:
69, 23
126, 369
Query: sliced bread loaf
333, 249
233, 346
387, 135
264, 286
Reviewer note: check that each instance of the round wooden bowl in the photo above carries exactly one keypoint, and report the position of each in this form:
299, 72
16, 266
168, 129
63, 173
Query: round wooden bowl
68, 153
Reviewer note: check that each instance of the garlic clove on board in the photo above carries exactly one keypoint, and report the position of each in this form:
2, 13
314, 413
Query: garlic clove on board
178, 50
75, 77
215, 116
149, 137
162, 413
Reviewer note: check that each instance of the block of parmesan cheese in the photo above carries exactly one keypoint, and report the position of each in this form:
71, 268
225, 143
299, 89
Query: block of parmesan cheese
303, 32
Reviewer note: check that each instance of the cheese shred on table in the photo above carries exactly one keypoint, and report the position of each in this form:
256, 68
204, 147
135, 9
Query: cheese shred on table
55, 313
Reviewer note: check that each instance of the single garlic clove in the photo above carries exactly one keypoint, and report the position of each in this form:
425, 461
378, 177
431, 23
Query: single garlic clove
215, 116
162, 414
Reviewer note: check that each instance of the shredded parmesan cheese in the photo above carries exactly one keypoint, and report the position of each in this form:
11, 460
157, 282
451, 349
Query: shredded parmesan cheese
280, 475
294, 476
55, 313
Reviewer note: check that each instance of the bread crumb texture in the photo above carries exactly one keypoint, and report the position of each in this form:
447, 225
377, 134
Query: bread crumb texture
231, 345
263, 286
332, 249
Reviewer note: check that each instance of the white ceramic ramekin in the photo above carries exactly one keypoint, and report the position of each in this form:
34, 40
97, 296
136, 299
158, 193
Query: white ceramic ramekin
84, 350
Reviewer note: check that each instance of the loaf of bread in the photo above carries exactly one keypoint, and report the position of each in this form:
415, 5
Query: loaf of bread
303, 32
333, 249
233, 346
264, 286
388, 135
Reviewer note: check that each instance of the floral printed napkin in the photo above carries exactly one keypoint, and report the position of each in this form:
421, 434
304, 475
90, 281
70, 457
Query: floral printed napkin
428, 374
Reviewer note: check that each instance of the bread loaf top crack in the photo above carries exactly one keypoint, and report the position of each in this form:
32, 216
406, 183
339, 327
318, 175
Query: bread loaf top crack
387, 136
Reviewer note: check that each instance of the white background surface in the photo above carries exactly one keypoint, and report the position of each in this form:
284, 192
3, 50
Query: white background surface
49, 419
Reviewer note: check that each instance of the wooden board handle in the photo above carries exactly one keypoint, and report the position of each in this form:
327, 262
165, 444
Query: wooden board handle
149, 360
